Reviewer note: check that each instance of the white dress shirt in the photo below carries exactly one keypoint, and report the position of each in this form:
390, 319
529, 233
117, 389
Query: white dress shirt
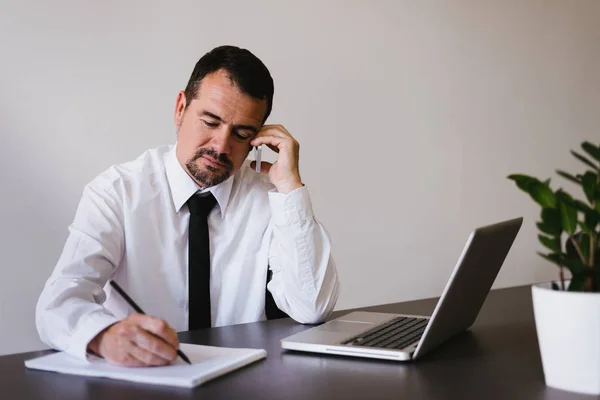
131, 225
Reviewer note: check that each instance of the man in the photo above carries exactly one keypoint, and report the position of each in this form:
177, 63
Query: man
244, 229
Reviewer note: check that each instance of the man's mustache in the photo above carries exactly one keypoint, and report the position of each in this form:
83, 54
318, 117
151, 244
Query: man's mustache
220, 157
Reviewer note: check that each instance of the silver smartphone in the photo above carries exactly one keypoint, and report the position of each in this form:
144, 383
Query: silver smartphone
257, 155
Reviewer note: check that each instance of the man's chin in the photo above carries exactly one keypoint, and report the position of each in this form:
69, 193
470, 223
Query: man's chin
206, 175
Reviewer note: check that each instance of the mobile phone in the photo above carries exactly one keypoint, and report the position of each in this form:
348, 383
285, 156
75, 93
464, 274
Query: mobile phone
257, 154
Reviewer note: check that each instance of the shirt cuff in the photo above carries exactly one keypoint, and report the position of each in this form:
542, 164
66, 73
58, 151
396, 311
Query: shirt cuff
88, 329
291, 208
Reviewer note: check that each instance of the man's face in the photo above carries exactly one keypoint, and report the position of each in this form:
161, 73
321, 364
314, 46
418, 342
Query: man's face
215, 130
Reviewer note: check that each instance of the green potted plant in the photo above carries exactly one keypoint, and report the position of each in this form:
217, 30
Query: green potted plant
567, 311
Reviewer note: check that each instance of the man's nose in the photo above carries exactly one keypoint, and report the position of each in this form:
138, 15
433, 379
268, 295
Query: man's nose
221, 140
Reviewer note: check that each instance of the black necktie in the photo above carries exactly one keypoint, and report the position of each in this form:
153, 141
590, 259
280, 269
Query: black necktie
199, 261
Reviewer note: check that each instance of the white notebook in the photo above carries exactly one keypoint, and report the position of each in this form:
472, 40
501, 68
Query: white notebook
208, 362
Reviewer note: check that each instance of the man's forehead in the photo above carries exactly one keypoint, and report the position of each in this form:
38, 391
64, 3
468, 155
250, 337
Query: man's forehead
229, 102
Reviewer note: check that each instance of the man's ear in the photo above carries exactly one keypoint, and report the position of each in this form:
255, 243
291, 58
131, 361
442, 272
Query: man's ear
180, 105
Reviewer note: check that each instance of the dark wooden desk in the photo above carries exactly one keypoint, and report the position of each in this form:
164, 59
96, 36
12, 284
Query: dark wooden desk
497, 359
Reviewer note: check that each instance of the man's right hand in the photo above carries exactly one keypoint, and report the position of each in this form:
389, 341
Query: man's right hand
137, 341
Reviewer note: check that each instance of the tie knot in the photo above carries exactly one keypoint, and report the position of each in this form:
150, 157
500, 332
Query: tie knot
201, 204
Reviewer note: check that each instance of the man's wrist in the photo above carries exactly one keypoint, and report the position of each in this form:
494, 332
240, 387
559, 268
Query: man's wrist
94, 344
288, 186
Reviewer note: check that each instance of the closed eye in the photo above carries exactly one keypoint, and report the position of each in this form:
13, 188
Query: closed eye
210, 124
243, 135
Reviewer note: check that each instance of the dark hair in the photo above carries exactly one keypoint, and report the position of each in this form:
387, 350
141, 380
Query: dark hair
246, 71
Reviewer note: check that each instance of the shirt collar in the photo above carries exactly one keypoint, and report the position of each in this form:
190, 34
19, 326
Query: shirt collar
183, 186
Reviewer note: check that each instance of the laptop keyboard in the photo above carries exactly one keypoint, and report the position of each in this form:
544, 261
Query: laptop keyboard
395, 334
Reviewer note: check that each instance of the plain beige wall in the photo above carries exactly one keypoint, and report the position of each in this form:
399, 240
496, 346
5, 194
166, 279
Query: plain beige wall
410, 115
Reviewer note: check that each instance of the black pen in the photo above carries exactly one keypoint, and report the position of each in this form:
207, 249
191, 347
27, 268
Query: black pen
138, 309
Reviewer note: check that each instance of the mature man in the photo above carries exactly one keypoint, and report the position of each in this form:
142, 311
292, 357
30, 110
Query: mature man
191, 232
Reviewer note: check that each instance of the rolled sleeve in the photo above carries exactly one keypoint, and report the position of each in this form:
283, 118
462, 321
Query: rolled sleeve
70, 312
93, 324
305, 282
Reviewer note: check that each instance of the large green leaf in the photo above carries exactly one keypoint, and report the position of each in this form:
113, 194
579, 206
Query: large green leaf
551, 222
568, 218
589, 183
592, 150
547, 229
550, 243
543, 195
565, 197
524, 182
568, 176
539, 191
575, 265
585, 160
577, 283
568, 212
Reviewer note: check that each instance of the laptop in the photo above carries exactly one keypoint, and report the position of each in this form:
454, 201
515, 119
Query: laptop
407, 337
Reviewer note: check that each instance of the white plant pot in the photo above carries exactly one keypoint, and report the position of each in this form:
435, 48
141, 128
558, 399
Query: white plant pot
568, 330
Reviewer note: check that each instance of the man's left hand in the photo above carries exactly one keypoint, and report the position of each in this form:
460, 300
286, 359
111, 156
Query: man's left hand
284, 173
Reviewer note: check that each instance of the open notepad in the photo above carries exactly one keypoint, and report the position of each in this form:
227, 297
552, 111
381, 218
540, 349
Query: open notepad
208, 362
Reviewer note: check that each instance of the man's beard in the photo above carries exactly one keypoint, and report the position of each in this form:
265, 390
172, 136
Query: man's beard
209, 175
